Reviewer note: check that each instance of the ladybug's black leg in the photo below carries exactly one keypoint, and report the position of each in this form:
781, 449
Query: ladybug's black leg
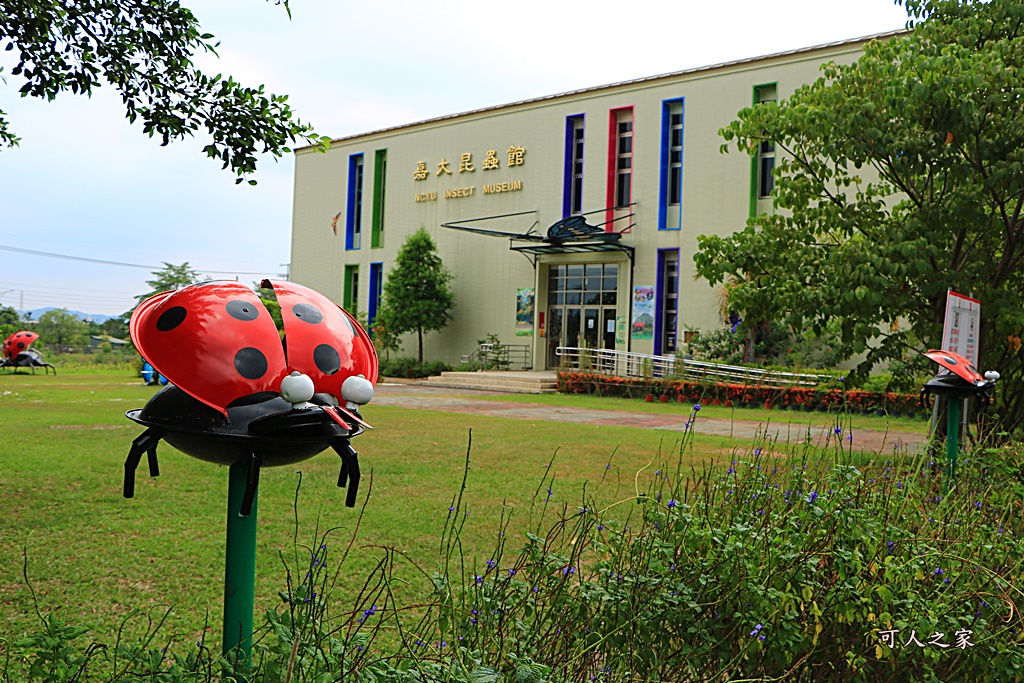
154, 466
252, 482
145, 443
349, 470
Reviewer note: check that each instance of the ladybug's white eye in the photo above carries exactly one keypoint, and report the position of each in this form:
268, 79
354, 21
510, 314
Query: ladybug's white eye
357, 389
297, 388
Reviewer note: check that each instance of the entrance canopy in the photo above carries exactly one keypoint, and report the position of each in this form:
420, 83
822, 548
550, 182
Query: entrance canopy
572, 235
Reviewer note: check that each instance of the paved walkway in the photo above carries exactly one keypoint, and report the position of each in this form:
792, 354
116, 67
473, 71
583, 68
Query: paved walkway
787, 428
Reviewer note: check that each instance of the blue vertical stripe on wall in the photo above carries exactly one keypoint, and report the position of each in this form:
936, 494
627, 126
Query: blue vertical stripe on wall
350, 214
570, 125
665, 145
376, 270
659, 300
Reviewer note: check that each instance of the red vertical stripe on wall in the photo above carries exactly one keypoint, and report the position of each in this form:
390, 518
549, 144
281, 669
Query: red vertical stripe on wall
613, 154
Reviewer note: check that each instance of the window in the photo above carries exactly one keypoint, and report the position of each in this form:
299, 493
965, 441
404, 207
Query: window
380, 172
350, 290
354, 222
670, 209
619, 193
667, 301
376, 291
762, 178
766, 181
572, 201
675, 156
624, 159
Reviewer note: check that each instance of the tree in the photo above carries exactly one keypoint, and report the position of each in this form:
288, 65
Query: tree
116, 327
902, 176
417, 297
10, 322
170, 277
58, 327
144, 49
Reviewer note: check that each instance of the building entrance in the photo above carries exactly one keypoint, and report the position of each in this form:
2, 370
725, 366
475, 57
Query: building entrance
581, 308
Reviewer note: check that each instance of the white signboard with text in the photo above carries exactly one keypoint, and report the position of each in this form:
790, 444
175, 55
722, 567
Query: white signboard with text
960, 331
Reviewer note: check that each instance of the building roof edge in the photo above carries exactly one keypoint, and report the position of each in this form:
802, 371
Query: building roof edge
618, 84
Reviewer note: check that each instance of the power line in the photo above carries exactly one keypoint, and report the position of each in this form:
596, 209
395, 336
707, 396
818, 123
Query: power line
47, 254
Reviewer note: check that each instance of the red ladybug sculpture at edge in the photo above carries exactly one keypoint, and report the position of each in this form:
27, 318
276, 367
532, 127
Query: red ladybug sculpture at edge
239, 391
962, 379
17, 353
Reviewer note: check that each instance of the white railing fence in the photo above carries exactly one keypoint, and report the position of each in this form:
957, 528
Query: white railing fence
629, 364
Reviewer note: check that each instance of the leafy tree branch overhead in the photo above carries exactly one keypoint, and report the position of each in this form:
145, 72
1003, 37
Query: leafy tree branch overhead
901, 175
144, 49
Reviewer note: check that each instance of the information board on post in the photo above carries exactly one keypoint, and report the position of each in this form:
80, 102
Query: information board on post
960, 330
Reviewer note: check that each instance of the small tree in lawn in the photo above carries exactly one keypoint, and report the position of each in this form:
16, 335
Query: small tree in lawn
170, 277
416, 294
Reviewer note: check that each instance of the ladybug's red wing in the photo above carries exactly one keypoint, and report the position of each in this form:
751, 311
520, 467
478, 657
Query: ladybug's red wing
956, 364
323, 340
18, 342
215, 341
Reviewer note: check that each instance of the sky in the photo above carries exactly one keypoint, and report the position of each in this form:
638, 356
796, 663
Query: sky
86, 184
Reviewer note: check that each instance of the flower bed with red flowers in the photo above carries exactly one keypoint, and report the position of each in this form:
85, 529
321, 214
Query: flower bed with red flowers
742, 395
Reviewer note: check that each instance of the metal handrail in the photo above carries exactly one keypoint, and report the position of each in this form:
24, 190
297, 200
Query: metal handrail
630, 364
500, 356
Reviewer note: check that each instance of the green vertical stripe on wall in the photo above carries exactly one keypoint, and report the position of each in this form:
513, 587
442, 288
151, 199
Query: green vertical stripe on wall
380, 160
753, 164
346, 295
756, 156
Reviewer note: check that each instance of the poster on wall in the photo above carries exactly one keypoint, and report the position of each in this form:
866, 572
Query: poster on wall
643, 313
524, 312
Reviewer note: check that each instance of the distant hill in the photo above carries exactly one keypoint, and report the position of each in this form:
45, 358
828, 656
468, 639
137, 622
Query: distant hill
94, 317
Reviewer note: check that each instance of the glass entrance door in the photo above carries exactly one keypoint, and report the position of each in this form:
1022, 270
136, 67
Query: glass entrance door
581, 302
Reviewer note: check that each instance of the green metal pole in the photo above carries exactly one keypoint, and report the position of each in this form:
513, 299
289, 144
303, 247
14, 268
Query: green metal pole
239, 567
952, 435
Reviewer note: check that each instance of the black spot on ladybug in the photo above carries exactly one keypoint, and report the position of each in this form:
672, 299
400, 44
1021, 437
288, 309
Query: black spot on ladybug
250, 363
327, 359
17, 335
308, 313
171, 318
21, 345
242, 310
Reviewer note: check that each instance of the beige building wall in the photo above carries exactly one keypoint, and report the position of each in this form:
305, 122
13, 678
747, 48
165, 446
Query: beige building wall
716, 196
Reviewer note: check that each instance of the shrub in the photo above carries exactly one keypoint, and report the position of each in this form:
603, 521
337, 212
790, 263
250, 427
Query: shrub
410, 368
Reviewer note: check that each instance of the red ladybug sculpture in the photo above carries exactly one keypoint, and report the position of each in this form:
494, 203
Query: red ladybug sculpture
962, 379
17, 353
239, 390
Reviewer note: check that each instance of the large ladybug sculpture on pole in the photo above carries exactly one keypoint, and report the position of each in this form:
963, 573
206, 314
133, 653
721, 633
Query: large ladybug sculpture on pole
242, 395
957, 380
17, 353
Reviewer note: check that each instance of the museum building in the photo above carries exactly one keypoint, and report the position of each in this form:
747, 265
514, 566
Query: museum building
567, 220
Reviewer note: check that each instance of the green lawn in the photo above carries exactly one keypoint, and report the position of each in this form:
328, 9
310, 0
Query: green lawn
97, 556
814, 419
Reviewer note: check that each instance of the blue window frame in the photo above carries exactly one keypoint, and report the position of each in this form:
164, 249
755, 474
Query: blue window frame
670, 214
376, 289
354, 217
572, 184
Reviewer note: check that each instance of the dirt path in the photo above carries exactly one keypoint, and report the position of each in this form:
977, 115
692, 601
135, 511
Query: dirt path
787, 429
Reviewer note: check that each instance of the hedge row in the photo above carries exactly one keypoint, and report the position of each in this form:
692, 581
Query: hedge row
741, 395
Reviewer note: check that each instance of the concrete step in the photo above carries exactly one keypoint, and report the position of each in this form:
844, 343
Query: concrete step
510, 382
